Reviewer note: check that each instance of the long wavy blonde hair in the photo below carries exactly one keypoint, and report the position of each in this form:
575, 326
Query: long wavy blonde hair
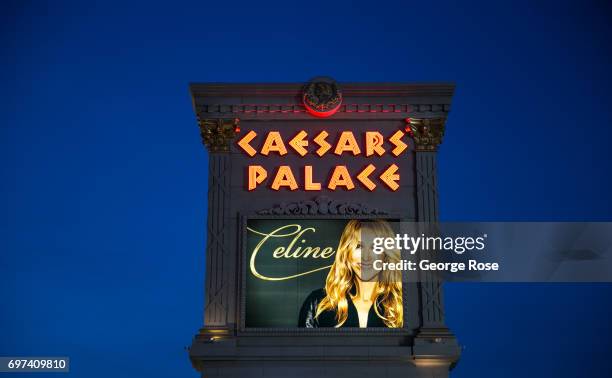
341, 280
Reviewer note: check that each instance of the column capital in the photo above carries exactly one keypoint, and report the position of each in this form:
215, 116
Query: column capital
426, 132
217, 133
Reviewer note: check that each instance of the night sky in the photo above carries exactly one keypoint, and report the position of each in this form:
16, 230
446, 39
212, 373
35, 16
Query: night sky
103, 177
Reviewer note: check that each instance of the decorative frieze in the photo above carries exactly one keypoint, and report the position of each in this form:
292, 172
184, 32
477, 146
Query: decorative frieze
321, 205
300, 108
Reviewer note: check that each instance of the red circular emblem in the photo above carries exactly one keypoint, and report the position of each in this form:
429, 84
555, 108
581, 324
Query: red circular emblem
321, 97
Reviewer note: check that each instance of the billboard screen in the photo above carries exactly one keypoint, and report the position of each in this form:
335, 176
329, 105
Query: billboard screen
315, 273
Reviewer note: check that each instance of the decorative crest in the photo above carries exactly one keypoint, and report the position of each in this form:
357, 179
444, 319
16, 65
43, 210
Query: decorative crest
322, 97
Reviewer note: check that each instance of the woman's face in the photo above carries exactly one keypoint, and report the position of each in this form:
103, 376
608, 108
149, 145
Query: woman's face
362, 257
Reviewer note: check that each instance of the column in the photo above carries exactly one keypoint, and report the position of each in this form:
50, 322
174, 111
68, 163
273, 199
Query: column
217, 134
427, 135
434, 344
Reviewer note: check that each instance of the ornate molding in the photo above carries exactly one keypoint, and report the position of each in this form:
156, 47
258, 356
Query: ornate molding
229, 109
321, 205
426, 132
218, 133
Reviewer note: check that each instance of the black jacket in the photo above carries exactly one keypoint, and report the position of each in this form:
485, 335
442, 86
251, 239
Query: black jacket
328, 318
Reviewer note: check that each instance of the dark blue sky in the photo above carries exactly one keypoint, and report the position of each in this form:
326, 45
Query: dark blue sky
103, 177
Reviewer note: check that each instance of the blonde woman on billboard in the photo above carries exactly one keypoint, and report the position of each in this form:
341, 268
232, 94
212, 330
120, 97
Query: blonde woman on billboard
355, 294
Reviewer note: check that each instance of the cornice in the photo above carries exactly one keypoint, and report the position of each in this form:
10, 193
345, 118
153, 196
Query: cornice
348, 89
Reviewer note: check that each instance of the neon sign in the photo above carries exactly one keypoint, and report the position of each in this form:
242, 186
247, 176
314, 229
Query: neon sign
373, 144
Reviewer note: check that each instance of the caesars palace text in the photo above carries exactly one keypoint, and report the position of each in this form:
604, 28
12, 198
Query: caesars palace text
373, 144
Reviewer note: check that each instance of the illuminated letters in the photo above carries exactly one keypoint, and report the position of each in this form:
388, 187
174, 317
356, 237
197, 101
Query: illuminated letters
274, 142
364, 178
257, 175
299, 144
348, 143
340, 176
374, 142
390, 177
284, 177
399, 145
323, 145
244, 143
308, 183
